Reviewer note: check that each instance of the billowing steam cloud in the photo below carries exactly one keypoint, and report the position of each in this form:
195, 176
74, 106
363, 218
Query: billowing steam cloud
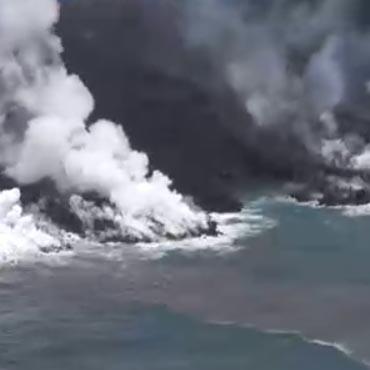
293, 63
44, 134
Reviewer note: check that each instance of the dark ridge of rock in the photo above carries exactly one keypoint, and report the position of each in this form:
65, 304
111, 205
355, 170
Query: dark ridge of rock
50, 202
333, 191
212, 229
56, 249
6, 182
60, 213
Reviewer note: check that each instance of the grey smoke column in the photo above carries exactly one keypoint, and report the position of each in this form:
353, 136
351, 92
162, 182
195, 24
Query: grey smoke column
290, 61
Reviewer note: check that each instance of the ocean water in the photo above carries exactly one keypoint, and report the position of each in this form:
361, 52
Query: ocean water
154, 338
272, 300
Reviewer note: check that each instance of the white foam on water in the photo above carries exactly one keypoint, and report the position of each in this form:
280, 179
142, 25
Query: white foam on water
20, 237
335, 345
231, 227
291, 200
30, 236
338, 346
356, 211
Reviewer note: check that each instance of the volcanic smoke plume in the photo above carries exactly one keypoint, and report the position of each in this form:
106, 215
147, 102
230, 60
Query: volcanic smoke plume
44, 135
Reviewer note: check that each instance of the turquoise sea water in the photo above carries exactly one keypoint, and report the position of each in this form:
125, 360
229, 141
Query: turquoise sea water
200, 309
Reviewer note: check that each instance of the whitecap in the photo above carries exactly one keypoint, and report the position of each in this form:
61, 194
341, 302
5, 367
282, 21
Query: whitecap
356, 211
231, 227
20, 236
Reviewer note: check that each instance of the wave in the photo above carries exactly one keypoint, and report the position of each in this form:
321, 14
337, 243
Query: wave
232, 228
339, 347
362, 210
21, 238
29, 234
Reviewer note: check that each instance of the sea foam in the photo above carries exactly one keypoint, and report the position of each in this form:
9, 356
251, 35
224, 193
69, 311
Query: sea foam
20, 237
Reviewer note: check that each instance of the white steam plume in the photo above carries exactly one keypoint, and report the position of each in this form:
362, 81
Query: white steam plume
291, 62
43, 131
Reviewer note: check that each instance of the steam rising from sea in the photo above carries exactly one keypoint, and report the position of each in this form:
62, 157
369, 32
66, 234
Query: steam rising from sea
44, 134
